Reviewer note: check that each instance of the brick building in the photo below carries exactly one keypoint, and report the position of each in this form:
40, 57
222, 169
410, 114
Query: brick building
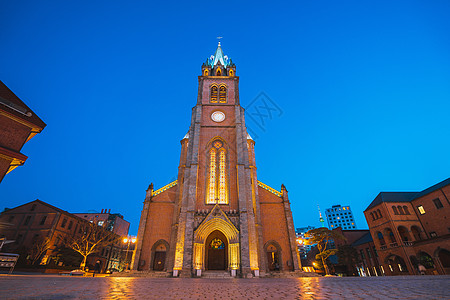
31, 222
217, 215
369, 263
18, 124
410, 229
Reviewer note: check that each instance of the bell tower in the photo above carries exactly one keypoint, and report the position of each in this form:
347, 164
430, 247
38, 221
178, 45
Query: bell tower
214, 207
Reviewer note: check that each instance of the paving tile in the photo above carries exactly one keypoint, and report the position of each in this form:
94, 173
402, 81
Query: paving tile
64, 287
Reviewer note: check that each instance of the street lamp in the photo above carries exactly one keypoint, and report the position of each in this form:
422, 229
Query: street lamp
128, 240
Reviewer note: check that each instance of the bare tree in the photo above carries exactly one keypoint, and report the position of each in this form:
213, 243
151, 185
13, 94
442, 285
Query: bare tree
40, 246
89, 240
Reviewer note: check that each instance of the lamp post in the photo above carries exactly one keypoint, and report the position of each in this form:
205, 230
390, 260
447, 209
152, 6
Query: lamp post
128, 240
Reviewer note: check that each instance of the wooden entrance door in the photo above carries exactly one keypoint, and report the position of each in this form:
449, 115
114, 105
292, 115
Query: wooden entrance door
216, 251
272, 258
158, 262
216, 259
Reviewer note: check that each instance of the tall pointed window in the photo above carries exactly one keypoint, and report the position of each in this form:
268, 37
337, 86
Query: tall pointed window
212, 176
217, 179
223, 93
214, 93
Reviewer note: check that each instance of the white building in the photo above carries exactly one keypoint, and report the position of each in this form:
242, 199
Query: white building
340, 216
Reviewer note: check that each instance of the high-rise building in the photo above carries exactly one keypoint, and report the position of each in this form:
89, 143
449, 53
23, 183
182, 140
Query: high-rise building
340, 216
217, 215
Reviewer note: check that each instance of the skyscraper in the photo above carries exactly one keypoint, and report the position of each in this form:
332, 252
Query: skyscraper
340, 216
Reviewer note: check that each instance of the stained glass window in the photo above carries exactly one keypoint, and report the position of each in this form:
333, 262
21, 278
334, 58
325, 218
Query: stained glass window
222, 178
217, 244
217, 185
212, 177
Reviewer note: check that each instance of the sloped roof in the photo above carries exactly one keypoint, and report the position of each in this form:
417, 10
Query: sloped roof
406, 196
363, 240
392, 197
432, 188
11, 104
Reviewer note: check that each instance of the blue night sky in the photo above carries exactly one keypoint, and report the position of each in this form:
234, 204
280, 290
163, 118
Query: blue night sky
363, 88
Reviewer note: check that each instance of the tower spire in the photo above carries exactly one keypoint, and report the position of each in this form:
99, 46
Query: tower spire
321, 220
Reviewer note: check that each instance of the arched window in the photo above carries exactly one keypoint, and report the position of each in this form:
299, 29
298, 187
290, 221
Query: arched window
379, 213
231, 73
405, 208
373, 216
205, 72
223, 93
394, 208
214, 93
381, 238
400, 210
217, 179
218, 72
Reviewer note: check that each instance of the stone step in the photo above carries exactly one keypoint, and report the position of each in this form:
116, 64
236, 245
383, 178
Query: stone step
216, 274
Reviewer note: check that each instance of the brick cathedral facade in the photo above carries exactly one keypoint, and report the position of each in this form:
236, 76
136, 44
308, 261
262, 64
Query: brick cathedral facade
217, 215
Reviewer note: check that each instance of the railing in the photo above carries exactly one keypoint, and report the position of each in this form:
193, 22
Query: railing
394, 244
407, 243
382, 247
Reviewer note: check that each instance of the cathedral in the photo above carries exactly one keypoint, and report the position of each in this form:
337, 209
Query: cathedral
217, 215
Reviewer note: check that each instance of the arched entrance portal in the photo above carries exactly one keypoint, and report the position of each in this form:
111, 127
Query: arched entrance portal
216, 251
159, 256
216, 225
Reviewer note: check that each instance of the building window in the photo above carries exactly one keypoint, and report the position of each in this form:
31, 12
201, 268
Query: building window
217, 185
63, 224
27, 220
70, 225
214, 93
405, 208
433, 234
43, 220
223, 93
438, 203
421, 209
33, 207
379, 213
394, 208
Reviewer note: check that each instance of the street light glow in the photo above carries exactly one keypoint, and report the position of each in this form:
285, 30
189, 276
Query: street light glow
125, 240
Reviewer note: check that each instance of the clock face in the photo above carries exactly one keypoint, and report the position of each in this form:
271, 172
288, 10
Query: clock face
218, 116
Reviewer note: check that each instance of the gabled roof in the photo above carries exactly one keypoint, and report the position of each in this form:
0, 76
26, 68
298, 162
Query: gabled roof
363, 240
432, 188
11, 104
392, 197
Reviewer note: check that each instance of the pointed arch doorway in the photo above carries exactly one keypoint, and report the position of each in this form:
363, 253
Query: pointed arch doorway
216, 251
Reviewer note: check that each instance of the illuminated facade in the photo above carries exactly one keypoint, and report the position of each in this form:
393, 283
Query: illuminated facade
217, 215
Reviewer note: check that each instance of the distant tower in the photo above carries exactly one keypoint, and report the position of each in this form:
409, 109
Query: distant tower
321, 220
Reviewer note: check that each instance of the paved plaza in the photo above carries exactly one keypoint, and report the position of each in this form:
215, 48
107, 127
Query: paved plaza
62, 287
